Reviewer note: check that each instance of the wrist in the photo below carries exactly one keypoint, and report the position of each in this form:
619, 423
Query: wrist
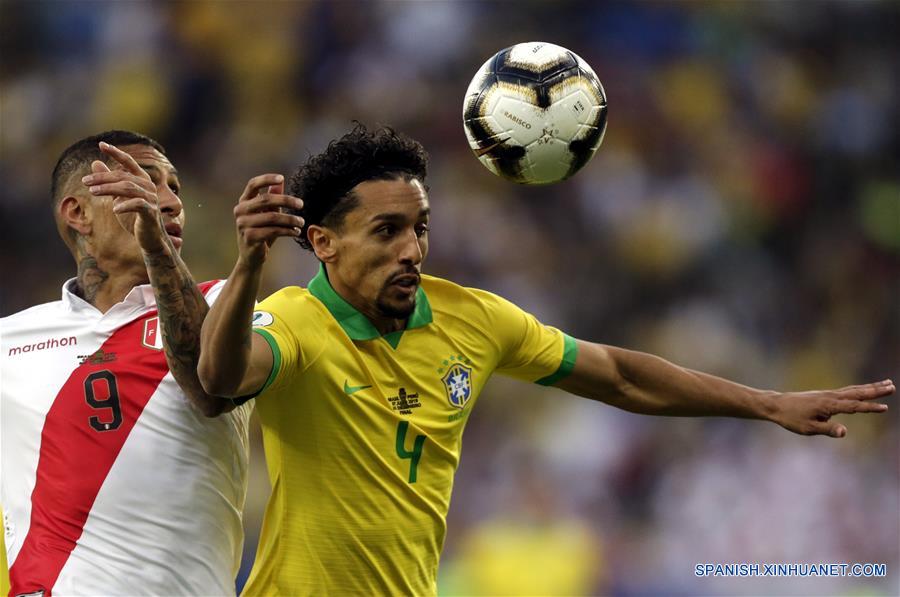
768, 404
247, 267
151, 238
155, 251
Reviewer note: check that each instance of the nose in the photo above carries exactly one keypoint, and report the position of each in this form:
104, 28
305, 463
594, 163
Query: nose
169, 203
411, 252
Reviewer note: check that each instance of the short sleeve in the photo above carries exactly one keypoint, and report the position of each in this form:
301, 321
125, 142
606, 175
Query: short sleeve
529, 350
276, 331
211, 290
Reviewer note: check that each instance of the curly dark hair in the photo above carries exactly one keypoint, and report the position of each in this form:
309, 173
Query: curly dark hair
325, 182
77, 157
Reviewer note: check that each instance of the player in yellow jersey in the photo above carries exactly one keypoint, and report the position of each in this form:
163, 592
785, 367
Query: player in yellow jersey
4, 567
367, 376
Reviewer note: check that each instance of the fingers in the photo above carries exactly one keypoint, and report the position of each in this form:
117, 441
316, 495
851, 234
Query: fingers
268, 219
267, 226
98, 166
828, 428
123, 188
122, 206
103, 181
866, 391
255, 185
124, 158
810, 413
268, 202
263, 214
856, 406
268, 234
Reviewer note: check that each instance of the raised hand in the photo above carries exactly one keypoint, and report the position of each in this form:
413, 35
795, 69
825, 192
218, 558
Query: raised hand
809, 413
260, 217
135, 200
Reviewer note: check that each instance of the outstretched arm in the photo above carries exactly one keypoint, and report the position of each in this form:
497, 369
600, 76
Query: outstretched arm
180, 304
233, 361
646, 384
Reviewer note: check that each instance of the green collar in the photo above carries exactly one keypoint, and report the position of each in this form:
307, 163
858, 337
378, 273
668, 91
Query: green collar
355, 324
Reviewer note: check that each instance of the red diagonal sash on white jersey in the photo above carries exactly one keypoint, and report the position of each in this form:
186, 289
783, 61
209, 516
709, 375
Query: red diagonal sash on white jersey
75, 456
81, 439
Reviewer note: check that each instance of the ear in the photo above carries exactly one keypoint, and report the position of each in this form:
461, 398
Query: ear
323, 242
73, 213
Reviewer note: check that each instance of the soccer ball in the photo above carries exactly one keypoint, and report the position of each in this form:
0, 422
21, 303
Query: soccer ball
535, 113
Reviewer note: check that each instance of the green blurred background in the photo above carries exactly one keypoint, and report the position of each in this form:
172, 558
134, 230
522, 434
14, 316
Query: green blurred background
742, 217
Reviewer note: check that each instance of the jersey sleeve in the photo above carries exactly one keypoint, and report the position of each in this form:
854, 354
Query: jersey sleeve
529, 350
270, 323
211, 290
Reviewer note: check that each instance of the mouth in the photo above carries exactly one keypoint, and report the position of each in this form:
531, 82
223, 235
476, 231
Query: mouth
173, 229
406, 283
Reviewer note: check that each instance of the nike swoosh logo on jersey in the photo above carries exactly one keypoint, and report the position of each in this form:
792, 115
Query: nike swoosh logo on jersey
348, 389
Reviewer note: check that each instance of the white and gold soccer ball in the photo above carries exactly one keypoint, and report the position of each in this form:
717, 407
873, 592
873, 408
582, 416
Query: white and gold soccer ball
535, 113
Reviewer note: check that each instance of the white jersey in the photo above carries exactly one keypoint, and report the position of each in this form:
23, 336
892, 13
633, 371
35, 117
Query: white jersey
110, 482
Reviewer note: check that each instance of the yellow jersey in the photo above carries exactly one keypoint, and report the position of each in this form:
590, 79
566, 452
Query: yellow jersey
4, 567
362, 432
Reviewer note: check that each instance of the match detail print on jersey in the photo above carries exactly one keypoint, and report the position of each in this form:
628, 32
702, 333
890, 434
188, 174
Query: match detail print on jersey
83, 433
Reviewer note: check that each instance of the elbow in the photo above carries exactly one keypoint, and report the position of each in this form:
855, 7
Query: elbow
206, 375
214, 406
215, 383
210, 413
208, 399
210, 405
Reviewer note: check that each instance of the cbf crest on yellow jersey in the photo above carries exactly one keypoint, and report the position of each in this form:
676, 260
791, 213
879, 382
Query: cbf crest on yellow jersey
363, 432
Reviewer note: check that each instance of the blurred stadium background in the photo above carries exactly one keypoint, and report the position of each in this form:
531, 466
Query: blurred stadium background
742, 217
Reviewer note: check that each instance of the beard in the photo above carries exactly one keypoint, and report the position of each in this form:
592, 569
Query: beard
401, 309
396, 310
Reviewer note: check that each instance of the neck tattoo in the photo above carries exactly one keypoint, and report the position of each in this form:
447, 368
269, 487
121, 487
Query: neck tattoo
90, 278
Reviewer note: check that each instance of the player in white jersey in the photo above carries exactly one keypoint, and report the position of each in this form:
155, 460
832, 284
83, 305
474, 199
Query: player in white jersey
114, 480
112, 483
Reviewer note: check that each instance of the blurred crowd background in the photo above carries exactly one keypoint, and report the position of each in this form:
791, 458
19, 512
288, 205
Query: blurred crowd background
742, 217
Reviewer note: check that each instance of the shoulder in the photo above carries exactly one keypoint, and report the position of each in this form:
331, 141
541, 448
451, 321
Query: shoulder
288, 298
444, 291
448, 298
211, 289
29, 317
290, 304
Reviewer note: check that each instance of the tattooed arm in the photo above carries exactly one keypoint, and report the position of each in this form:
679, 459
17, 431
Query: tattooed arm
181, 305
182, 310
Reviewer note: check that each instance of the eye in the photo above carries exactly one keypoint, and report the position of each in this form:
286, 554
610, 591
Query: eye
421, 229
175, 188
386, 231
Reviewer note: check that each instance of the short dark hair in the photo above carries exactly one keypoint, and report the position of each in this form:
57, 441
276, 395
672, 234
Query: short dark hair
326, 180
83, 152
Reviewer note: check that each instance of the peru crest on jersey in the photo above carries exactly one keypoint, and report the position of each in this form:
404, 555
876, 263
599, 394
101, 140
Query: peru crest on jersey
152, 334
